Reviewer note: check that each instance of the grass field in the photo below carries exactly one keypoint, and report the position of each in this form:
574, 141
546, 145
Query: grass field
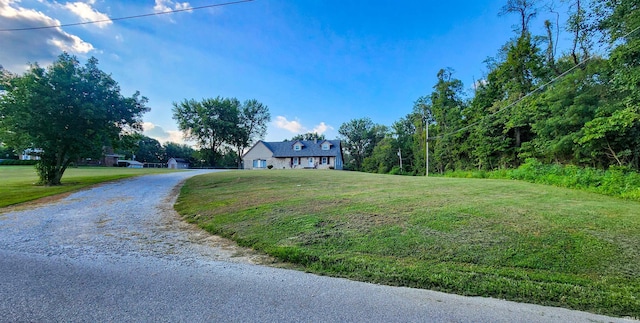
18, 182
504, 239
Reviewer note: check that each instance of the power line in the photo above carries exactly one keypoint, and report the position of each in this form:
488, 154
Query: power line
528, 94
128, 17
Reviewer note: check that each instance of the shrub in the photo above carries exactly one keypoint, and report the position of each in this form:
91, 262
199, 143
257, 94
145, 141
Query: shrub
616, 181
16, 162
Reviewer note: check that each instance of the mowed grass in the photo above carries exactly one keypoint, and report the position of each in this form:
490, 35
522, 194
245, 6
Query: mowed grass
18, 183
498, 238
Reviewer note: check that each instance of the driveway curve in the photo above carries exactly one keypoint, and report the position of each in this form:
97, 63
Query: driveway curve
118, 252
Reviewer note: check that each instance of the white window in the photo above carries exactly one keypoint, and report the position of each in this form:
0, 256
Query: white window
296, 161
325, 161
259, 163
297, 147
325, 146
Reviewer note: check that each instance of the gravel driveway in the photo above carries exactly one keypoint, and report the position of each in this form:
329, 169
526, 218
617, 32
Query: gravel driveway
128, 217
118, 252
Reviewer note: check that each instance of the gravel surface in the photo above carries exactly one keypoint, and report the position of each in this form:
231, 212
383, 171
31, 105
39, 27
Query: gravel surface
129, 217
118, 252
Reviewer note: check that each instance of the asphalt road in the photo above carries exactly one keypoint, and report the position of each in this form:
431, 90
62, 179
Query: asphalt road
117, 253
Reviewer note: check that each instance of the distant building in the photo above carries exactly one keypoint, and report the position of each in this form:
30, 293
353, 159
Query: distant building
178, 163
31, 154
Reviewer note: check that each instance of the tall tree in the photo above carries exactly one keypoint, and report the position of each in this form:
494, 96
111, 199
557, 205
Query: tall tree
446, 106
67, 110
580, 29
615, 132
252, 126
525, 9
360, 136
211, 122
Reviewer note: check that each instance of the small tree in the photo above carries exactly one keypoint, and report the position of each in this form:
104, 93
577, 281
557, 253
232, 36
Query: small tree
67, 110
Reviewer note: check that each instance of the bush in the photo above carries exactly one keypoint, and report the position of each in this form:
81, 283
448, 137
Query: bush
270, 166
616, 181
17, 162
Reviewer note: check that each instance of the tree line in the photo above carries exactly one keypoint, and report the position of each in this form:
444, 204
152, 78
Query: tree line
580, 108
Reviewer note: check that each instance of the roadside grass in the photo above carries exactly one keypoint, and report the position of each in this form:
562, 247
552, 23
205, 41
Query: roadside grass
18, 183
483, 237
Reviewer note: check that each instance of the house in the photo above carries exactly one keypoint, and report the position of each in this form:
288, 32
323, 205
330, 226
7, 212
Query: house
177, 163
299, 154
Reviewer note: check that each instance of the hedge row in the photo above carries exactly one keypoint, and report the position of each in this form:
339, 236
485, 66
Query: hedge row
616, 181
6, 162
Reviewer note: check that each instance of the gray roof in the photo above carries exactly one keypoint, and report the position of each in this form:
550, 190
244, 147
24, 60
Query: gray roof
310, 148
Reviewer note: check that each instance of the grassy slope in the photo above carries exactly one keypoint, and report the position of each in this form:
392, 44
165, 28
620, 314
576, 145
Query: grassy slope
504, 239
18, 182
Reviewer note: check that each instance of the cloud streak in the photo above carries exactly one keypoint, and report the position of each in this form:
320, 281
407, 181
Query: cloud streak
295, 127
86, 13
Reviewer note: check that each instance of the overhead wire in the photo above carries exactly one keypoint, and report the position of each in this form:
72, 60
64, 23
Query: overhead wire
127, 17
527, 95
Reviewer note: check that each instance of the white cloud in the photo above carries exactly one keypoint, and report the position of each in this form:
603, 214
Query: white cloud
87, 13
293, 126
321, 128
296, 127
163, 136
76, 45
43, 46
169, 5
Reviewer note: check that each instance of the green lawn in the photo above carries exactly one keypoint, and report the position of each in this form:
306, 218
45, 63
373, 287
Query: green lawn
505, 239
18, 182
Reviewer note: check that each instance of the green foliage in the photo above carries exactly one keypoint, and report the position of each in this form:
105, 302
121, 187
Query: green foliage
308, 136
174, 150
7, 162
145, 149
67, 110
359, 137
616, 181
7, 152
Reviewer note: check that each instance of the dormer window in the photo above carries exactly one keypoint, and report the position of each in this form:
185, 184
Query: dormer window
325, 146
297, 147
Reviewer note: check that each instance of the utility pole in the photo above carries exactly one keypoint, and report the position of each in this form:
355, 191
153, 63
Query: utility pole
426, 142
400, 156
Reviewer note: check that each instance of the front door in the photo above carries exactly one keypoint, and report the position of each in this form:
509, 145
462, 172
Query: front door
311, 162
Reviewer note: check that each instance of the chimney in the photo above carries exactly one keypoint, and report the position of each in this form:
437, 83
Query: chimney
315, 140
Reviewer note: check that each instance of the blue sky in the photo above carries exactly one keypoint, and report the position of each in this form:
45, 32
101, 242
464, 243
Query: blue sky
315, 64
